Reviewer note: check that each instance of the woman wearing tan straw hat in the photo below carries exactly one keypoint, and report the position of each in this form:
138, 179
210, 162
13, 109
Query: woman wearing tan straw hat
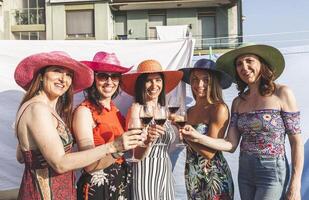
98, 121
42, 126
207, 173
263, 114
152, 175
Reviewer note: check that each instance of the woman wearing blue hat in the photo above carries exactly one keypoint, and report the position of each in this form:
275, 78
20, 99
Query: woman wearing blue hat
207, 173
263, 114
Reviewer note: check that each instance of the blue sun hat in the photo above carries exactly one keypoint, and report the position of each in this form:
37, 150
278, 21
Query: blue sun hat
206, 64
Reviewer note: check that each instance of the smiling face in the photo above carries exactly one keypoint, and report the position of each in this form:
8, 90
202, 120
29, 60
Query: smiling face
199, 81
56, 81
248, 68
107, 84
153, 86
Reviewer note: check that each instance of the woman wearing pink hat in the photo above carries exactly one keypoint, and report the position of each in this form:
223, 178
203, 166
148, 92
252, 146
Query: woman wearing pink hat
42, 122
98, 121
152, 175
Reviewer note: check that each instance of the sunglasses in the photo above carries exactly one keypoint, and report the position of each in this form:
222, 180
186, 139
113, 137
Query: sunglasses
105, 76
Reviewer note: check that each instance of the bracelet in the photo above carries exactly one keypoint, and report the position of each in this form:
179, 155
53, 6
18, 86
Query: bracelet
117, 155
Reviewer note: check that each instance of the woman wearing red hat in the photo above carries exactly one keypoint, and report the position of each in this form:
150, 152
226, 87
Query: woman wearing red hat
97, 121
152, 175
42, 122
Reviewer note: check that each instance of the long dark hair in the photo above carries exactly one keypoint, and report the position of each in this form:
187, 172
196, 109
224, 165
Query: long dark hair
140, 90
267, 85
64, 106
93, 95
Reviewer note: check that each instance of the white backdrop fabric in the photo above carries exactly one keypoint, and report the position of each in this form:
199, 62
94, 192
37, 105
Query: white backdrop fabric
174, 54
171, 54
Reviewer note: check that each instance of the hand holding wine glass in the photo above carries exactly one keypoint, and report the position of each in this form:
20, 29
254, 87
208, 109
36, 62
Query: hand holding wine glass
180, 120
134, 125
160, 117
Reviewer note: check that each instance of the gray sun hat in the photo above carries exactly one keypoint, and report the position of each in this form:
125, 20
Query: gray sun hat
272, 56
206, 64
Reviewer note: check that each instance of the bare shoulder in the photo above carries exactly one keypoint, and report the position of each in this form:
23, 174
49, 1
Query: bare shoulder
287, 98
235, 104
133, 111
219, 111
39, 110
82, 111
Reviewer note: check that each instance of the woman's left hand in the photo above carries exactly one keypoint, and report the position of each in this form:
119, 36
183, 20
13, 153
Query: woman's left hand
293, 193
189, 133
154, 131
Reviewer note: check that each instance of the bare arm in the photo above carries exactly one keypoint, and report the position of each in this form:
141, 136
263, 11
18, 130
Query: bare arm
229, 143
19, 155
42, 128
219, 117
82, 128
289, 104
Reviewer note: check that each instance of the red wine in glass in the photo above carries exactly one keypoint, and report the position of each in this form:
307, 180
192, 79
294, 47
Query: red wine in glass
138, 129
146, 120
181, 124
173, 109
160, 121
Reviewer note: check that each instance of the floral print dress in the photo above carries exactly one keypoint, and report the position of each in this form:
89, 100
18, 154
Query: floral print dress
207, 179
115, 181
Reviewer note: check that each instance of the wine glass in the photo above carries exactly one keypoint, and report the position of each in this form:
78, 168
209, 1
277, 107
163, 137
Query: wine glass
173, 105
134, 124
160, 117
146, 116
181, 121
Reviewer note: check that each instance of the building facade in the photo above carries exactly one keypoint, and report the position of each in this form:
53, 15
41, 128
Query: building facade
214, 23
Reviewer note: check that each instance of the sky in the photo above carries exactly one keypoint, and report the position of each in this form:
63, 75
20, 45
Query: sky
290, 18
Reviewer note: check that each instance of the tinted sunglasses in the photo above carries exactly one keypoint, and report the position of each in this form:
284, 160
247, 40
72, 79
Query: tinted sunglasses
104, 76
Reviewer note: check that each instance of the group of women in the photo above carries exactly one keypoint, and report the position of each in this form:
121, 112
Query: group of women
262, 114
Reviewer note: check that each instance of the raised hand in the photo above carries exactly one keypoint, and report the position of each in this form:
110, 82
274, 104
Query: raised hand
128, 140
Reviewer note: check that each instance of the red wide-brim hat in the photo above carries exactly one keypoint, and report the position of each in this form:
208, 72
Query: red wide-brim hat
106, 62
171, 77
27, 69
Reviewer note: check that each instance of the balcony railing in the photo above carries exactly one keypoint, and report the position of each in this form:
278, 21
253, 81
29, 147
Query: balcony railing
201, 42
29, 16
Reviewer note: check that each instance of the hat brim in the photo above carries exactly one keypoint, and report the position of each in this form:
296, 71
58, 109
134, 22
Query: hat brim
272, 56
171, 79
224, 79
28, 68
105, 67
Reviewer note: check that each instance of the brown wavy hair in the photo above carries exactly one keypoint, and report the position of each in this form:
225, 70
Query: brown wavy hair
64, 106
267, 85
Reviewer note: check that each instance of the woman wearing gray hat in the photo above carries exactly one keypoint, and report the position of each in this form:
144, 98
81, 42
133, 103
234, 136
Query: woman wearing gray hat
263, 114
207, 173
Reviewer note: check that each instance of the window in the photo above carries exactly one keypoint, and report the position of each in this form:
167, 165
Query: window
33, 12
155, 20
121, 26
80, 24
207, 29
30, 35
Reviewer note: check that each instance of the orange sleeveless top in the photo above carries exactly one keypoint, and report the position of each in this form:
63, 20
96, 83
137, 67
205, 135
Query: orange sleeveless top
110, 124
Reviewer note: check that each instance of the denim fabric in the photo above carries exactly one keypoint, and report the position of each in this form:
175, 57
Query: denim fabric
262, 178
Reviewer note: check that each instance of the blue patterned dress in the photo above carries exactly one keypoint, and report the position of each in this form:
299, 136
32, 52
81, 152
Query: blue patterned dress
207, 179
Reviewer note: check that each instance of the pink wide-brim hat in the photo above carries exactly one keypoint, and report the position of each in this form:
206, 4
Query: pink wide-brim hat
106, 62
27, 69
171, 77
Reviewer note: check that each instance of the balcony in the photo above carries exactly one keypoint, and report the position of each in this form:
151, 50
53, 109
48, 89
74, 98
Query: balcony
117, 5
28, 19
